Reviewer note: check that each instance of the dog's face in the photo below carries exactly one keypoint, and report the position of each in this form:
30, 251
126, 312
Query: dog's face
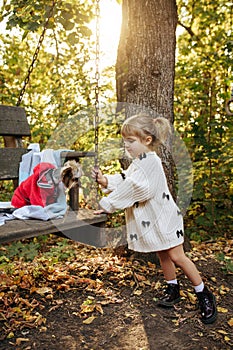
70, 173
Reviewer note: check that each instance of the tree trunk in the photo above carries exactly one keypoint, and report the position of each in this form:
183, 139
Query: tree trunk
146, 55
145, 67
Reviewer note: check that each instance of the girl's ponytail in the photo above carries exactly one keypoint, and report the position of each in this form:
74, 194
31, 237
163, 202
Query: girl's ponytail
162, 129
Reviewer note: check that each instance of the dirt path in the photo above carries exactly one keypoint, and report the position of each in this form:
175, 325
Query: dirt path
120, 312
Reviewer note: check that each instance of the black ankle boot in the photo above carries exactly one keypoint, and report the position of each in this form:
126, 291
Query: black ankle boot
207, 306
171, 295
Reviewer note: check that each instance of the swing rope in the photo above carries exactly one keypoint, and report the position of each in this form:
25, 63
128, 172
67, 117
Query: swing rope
97, 90
36, 53
97, 79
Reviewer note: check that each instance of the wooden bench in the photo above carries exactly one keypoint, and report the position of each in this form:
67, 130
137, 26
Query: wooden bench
79, 224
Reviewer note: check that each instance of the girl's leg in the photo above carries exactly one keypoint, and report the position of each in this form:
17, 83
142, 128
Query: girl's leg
167, 265
171, 295
169, 259
179, 258
176, 257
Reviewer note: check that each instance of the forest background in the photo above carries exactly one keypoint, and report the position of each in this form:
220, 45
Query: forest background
60, 95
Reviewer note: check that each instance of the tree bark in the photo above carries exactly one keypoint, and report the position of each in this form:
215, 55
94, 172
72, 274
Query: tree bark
145, 65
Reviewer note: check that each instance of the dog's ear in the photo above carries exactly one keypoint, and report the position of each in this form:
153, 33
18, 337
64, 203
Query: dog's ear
67, 176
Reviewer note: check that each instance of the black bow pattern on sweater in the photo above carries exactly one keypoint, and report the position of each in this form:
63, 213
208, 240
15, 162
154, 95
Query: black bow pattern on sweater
142, 155
123, 176
166, 196
179, 233
145, 223
134, 236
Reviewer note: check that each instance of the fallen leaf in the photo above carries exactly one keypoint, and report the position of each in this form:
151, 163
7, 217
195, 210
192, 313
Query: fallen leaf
230, 322
99, 308
176, 322
21, 340
222, 309
10, 335
43, 290
43, 329
157, 285
137, 292
192, 298
40, 319
182, 294
223, 290
75, 313
140, 277
151, 265
89, 320
147, 282
87, 308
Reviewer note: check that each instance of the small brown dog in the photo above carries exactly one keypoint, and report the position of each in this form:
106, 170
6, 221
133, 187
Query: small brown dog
70, 173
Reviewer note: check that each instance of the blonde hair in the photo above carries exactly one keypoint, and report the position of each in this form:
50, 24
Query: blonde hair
143, 125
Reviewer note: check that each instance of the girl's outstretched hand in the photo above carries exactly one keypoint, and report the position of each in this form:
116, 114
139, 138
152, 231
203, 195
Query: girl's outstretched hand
97, 175
100, 211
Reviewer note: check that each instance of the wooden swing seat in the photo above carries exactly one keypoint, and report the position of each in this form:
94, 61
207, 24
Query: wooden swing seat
79, 224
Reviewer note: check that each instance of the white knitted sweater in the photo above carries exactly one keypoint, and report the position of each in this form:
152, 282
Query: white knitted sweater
153, 220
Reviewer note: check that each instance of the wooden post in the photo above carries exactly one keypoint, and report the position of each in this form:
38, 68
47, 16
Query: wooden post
74, 196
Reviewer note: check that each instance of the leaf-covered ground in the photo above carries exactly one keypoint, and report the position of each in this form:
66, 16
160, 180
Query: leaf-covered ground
57, 294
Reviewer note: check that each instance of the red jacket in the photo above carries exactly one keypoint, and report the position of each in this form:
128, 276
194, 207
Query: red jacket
37, 189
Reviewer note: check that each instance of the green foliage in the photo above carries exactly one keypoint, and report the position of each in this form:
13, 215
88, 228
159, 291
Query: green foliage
19, 250
62, 81
32, 15
27, 250
6, 191
202, 86
226, 261
59, 252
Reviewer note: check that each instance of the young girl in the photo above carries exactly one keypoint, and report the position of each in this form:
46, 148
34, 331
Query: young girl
153, 220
